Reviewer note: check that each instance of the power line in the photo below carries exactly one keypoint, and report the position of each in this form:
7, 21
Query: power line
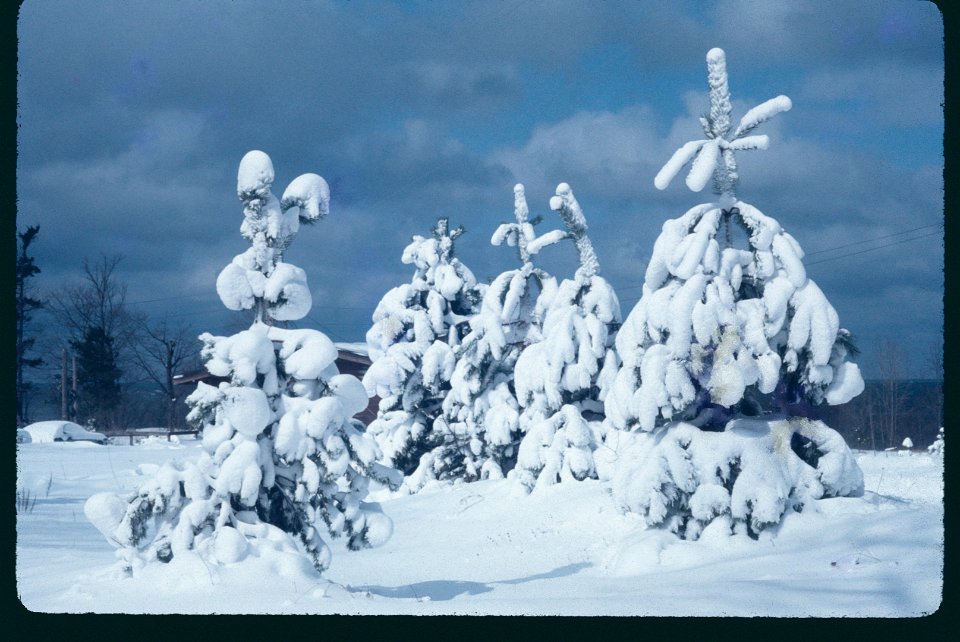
323, 327
166, 298
878, 238
871, 249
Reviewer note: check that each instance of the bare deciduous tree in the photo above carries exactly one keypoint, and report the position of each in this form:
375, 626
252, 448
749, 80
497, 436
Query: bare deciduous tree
888, 401
934, 363
161, 350
98, 301
94, 314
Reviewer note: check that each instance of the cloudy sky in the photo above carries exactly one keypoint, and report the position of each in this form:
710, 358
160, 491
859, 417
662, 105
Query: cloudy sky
134, 115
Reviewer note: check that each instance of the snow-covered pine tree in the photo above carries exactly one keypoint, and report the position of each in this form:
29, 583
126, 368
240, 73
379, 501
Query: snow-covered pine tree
727, 330
281, 455
480, 424
561, 380
416, 328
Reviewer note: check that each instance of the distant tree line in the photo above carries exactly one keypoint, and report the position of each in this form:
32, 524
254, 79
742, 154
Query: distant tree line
112, 368
891, 408
124, 364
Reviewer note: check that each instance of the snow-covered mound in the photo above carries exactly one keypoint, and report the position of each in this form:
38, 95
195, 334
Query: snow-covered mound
58, 430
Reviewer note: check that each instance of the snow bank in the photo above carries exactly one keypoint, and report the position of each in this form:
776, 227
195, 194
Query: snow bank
482, 549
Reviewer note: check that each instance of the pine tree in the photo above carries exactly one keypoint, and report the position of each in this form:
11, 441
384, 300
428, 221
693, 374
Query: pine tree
729, 328
416, 329
282, 455
99, 376
560, 381
26, 304
480, 424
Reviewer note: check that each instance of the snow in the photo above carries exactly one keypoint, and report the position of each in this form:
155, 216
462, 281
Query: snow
673, 166
50, 431
703, 166
310, 193
762, 112
255, 175
714, 156
484, 548
350, 392
234, 287
354, 347
847, 384
247, 410
306, 353
287, 293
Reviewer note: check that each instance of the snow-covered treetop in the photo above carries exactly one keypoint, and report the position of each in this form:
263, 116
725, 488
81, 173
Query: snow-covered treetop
565, 204
521, 234
437, 267
714, 155
255, 175
259, 277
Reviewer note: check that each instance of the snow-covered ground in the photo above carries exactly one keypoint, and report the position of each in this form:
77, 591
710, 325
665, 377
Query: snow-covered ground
486, 548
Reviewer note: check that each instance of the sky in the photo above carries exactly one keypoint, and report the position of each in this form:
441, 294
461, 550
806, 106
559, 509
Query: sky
133, 117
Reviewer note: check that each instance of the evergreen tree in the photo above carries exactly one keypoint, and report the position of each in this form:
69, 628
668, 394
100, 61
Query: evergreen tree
561, 381
99, 376
281, 454
26, 304
416, 329
729, 328
480, 424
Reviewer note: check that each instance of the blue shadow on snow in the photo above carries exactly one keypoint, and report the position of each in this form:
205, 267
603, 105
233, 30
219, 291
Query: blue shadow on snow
442, 590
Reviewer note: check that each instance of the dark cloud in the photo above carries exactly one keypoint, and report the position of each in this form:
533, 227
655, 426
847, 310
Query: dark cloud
134, 115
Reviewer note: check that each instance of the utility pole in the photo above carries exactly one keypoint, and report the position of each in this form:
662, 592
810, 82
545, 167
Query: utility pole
74, 399
63, 384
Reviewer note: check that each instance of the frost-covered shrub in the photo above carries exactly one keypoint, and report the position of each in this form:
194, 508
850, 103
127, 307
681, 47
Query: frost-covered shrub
745, 478
936, 448
416, 328
480, 424
281, 453
725, 330
561, 380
